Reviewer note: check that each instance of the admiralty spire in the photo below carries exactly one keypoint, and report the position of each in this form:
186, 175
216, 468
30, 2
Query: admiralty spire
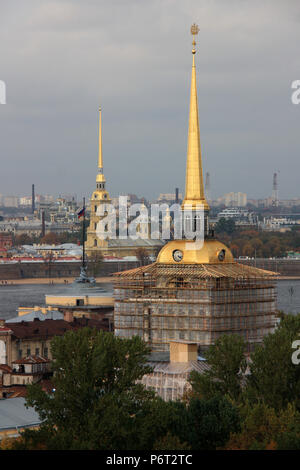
194, 198
194, 292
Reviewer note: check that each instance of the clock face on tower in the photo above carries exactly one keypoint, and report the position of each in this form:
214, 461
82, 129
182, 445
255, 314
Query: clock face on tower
177, 255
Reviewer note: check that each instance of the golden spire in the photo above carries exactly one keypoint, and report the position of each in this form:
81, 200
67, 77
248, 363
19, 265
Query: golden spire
100, 175
194, 189
100, 160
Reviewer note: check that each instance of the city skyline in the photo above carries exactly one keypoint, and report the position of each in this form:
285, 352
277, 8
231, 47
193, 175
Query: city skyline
72, 58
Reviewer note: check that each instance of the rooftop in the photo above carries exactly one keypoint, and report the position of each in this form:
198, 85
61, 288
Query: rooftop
14, 414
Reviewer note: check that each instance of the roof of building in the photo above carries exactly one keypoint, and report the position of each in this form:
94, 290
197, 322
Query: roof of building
179, 367
32, 360
5, 368
53, 315
50, 328
140, 242
202, 270
14, 414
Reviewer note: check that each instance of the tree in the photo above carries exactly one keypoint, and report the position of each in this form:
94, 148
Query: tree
227, 362
50, 239
142, 255
273, 378
225, 225
264, 428
97, 401
211, 422
22, 239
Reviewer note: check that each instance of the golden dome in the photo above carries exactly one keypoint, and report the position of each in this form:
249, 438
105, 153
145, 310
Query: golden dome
190, 252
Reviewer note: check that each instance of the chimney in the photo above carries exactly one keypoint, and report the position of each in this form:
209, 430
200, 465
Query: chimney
183, 351
68, 316
43, 224
33, 200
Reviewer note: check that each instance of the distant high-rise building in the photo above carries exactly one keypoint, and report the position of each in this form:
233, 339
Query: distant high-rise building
235, 199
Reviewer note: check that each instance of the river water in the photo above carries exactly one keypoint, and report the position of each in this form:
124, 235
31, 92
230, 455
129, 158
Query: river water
29, 295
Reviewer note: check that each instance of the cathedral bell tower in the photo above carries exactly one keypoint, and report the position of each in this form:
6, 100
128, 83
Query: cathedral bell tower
99, 197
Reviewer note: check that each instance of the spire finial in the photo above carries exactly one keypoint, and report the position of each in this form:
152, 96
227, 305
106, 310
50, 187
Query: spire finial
100, 158
194, 32
194, 190
100, 179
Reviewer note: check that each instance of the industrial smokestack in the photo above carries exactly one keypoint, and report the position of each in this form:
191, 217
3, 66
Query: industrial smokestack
207, 186
33, 200
275, 200
43, 224
177, 195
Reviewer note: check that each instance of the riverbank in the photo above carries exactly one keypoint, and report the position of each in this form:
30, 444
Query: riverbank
42, 280
104, 279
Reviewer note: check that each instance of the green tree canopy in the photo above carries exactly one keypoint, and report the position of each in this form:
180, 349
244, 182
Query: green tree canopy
225, 226
273, 377
97, 400
227, 362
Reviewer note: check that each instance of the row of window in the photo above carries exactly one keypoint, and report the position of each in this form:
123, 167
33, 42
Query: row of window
28, 352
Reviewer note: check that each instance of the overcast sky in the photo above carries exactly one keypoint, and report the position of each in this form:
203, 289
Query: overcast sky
61, 59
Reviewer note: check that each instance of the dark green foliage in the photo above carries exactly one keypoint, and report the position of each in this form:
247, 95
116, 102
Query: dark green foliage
227, 365
225, 226
211, 422
97, 402
274, 379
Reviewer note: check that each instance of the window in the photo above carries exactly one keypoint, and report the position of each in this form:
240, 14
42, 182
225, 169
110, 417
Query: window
37, 351
28, 352
45, 352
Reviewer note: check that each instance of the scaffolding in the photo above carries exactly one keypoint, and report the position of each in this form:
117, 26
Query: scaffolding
199, 302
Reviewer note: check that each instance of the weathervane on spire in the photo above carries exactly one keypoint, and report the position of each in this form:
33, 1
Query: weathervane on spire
194, 31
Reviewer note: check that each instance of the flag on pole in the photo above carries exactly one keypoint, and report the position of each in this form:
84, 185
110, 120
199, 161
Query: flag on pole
81, 213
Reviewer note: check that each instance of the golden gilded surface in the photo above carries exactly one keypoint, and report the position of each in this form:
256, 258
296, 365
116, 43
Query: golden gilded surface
194, 189
192, 253
99, 197
100, 158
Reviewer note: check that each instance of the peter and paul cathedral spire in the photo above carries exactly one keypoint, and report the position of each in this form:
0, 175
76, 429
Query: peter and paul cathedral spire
194, 189
99, 197
100, 179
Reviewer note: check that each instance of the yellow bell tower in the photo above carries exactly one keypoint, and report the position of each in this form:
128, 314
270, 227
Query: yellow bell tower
100, 196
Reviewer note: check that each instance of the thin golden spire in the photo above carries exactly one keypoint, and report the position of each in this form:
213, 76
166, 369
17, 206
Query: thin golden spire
100, 159
194, 189
100, 176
